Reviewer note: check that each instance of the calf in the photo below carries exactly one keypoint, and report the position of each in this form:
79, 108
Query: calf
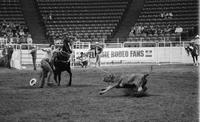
136, 82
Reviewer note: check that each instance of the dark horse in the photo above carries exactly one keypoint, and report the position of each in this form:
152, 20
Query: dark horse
61, 62
193, 50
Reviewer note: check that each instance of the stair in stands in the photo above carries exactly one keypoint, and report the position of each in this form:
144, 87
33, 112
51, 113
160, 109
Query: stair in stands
32, 19
129, 20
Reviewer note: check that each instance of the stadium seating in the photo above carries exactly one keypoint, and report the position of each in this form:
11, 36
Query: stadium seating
184, 14
10, 10
13, 28
91, 20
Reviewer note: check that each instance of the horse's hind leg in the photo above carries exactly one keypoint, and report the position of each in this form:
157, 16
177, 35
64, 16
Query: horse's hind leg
70, 75
59, 78
55, 77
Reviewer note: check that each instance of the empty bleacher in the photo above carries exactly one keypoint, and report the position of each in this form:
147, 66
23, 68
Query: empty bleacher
10, 10
184, 14
91, 20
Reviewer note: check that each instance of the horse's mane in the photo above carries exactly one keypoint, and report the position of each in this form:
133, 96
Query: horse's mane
65, 47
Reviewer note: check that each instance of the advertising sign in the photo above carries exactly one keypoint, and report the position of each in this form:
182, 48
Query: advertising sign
122, 54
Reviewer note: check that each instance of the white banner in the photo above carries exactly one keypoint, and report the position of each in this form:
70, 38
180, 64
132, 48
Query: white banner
128, 54
123, 54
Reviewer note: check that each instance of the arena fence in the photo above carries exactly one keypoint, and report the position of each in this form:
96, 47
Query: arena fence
113, 53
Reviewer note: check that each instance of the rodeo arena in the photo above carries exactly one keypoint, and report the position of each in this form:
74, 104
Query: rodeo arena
99, 61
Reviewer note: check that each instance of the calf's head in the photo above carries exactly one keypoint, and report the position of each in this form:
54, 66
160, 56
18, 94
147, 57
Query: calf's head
109, 78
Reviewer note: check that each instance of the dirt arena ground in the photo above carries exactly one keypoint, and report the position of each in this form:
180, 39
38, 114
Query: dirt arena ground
172, 96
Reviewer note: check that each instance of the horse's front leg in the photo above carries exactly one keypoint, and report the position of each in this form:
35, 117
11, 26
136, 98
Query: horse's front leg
55, 77
70, 79
70, 75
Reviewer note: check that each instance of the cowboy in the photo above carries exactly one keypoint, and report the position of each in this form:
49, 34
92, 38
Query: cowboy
197, 43
46, 65
46, 72
193, 48
98, 51
49, 52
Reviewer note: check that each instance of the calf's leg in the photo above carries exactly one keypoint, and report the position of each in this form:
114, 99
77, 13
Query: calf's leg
103, 91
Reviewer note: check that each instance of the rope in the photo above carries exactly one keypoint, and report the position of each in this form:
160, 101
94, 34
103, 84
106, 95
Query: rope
151, 70
103, 70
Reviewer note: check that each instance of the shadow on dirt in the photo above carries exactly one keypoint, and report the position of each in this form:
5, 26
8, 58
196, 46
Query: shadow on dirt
28, 87
55, 86
83, 85
129, 96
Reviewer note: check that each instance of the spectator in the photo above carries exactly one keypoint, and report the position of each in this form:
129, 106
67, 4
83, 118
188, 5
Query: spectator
26, 30
139, 29
170, 15
179, 29
29, 39
21, 32
22, 40
51, 40
11, 30
131, 34
50, 16
162, 14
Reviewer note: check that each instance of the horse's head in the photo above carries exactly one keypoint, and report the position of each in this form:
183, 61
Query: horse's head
66, 43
